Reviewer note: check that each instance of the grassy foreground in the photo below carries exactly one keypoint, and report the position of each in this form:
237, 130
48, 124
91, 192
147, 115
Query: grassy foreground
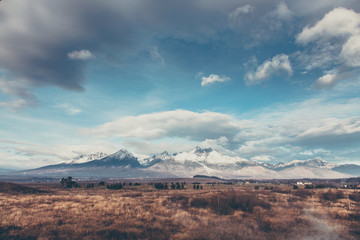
214, 212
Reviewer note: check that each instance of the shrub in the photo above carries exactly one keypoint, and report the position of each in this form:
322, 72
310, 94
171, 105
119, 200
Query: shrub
302, 193
332, 195
355, 196
115, 186
183, 200
226, 203
199, 202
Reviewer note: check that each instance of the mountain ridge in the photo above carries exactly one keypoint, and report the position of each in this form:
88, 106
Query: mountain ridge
187, 164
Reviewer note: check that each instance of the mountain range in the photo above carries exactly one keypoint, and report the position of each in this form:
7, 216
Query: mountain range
199, 161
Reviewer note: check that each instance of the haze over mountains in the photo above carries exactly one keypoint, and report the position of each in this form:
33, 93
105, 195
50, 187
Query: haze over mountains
203, 161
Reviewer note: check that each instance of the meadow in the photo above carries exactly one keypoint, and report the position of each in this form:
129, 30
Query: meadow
217, 211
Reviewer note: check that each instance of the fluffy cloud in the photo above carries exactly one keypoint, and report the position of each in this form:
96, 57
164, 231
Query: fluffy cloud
80, 55
338, 33
212, 78
338, 22
326, 81
278, 64
178, 123
351, 51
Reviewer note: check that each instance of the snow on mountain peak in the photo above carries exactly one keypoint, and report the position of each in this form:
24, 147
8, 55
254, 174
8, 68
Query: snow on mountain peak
83, 158
207, 155
158, 157
121, 154
309, 163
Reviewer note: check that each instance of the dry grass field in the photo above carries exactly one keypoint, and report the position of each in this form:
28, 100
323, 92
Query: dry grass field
214, 212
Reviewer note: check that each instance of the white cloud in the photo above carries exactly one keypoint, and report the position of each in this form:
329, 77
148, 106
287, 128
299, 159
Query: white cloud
338, 22
22, 155
16, 104
235, 16
212, 78
283, 12
156, 56
332, 127
262, 158
177, 123
351, 51
338, 33
69, 109
278, 64
151, 148
326, 81
80, 55
19, 89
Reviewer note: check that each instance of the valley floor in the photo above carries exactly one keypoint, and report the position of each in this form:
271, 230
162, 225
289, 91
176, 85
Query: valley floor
214, 212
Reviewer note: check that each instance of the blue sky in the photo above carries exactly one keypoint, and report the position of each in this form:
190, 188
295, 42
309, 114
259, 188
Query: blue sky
264, 80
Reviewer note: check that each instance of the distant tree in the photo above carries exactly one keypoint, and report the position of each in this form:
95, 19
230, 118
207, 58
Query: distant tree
200, 187
90, 185
130, 184
295, 187
159, 185
182, 186
194, 186
115, 186
197, 186
177, 185
166, 186
172, 186
256, 187
101, 183
68, 183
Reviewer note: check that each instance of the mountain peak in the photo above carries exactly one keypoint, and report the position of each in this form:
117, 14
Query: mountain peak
122, 153
199, 151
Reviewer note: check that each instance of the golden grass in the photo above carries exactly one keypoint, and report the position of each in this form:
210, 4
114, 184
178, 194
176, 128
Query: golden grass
231, 212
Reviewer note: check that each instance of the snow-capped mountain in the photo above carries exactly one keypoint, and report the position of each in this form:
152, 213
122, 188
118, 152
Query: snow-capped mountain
83, 158
315, 163
208, 156
199, 161
164, 156
119, 158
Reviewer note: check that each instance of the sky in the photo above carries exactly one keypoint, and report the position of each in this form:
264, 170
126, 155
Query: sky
268, 81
